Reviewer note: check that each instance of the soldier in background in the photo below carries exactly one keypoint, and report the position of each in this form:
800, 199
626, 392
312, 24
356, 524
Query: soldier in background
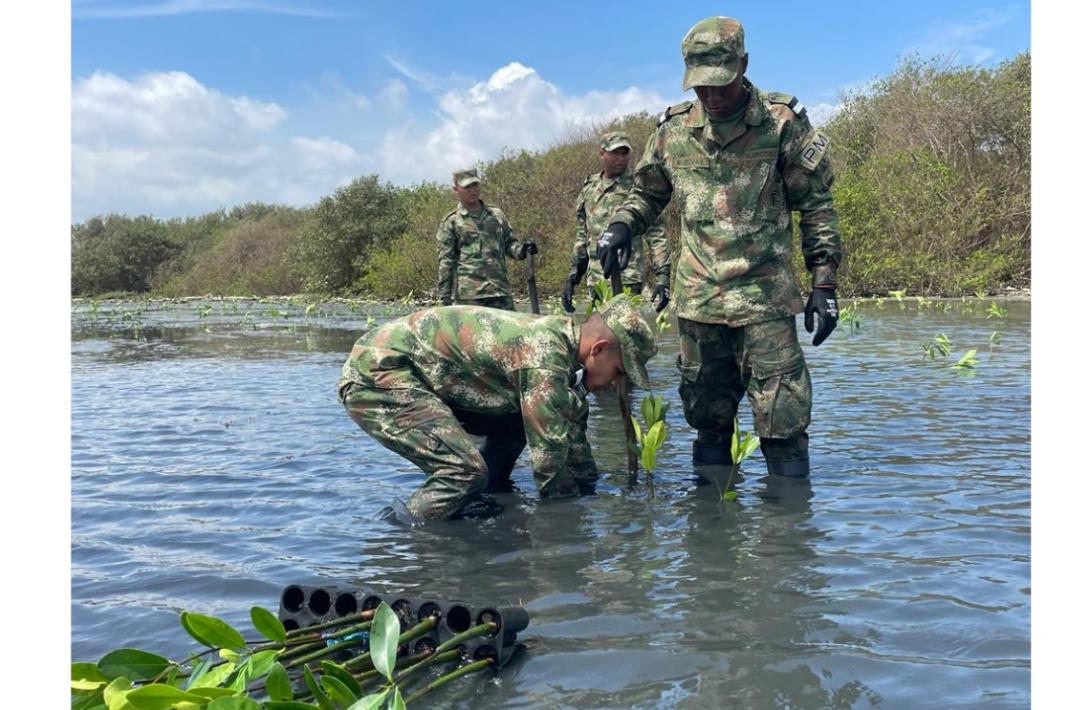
602, 193
740, 160
422, 384
474, 241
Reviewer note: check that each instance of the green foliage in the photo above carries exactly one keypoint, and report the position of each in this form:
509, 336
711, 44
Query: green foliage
967, 361
332, 253
119, 253
932, 178
937, 346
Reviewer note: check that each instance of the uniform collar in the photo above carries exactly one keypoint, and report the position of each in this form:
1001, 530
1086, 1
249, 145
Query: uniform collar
465, 213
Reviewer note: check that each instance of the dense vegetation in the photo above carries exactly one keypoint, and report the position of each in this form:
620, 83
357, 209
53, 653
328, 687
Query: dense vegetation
932, 189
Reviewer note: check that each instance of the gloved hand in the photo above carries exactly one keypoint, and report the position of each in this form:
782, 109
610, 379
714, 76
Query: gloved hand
660, 297
527, 247
822, 301
565, 298
614, 248
445, 300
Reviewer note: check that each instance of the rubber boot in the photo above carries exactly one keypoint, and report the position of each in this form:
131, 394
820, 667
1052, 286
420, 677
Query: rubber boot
795, 468
787, 457
711, 449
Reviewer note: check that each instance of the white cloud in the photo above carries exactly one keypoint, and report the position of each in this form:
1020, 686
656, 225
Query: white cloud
820, 113
393, 96
514, 108
165, 144
962, 42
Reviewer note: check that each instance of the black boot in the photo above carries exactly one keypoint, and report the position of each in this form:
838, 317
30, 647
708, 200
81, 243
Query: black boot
795, 468
711, 449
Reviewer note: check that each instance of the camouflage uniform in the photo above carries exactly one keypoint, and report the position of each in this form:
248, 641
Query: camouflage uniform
597, 200
472, 251
736, 295
422, 383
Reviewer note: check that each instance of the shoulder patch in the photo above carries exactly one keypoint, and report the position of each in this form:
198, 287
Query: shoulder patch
675, 110
791, 102
813, 150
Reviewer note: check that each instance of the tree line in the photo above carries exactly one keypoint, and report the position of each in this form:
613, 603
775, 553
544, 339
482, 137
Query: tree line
932, 188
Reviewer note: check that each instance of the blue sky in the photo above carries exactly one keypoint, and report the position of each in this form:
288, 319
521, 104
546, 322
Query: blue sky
184, 106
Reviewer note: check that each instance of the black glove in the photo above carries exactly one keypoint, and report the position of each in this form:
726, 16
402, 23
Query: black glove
660, 297
580, 262
445, 300
527, 247
614, 248
822, 301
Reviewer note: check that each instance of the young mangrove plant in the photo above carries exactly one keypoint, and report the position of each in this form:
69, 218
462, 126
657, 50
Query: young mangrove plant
650, 437
741, 446
968, 361
851, 318
898, 296
939, 345
996, 311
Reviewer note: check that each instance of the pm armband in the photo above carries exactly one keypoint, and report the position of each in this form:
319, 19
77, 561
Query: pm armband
813, 150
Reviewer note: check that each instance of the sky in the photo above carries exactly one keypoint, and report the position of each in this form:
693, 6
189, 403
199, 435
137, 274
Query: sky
180, 107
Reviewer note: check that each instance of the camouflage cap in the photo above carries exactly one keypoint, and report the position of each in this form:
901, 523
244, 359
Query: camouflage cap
465, 178
614, 140
713, 49
637, 341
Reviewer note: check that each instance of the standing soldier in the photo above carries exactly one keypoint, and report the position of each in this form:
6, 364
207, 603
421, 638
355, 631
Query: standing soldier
603, 193
474, 239
423, 383
740, 160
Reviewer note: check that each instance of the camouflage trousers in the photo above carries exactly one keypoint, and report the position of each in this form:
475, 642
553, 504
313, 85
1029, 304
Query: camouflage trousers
505, 303
764, 361
414, 423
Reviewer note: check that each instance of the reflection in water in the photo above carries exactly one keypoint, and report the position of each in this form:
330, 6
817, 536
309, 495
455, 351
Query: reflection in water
212, 466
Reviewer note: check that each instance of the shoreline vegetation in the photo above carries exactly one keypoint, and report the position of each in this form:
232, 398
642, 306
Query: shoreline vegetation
932, 188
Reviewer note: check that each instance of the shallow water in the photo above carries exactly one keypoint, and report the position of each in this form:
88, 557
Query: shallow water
212, 466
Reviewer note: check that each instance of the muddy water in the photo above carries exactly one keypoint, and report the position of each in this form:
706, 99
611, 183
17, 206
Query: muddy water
212, 466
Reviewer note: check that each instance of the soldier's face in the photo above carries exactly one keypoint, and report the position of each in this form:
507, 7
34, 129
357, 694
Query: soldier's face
722, 101
603, 366
614, 162
468, 195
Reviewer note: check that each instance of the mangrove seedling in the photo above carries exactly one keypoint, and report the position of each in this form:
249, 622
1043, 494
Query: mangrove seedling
996, 311
939, 345
899, 297
650, 437
993, 339
850, 317
741, 446
967, 362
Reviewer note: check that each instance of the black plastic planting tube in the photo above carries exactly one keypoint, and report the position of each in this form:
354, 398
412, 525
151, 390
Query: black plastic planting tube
350, 619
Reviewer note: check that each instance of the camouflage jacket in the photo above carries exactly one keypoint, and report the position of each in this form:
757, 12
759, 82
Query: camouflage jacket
597, 201
472, 251
492, 362
736, 203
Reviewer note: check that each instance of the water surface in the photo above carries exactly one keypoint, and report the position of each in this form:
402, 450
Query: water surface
212, 466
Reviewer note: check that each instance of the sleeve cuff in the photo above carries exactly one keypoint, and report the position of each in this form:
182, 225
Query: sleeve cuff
824, 275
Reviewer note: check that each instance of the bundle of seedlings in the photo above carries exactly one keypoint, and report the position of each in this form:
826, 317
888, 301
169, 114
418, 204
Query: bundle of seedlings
376, 657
